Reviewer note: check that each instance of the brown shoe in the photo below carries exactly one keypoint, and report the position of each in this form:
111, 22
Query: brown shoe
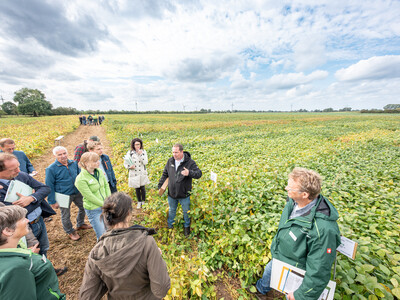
84, 226
74, 236
61, 271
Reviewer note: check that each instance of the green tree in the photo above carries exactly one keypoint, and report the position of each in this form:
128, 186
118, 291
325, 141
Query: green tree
392, 106
32, 102
9, 108
345, 109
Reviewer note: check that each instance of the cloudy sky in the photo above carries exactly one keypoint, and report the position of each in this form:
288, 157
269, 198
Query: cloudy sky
188, 55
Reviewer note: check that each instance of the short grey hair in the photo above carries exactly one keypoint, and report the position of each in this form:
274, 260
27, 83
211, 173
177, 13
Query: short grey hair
9, 216
58, 148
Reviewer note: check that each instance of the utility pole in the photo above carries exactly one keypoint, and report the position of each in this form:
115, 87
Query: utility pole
2, 99
183, 107
136, 106
232, 107
291, 107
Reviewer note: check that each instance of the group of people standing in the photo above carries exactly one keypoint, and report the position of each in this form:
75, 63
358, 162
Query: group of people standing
91, 119
126, 261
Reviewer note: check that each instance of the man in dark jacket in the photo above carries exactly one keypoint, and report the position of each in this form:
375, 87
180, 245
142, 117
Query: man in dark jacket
307, 236
36, 205
180, 169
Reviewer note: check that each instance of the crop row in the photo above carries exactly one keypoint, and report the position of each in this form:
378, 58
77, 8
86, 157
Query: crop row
235, 220
35, 135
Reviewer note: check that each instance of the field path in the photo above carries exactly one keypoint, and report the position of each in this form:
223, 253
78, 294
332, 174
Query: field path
63, 251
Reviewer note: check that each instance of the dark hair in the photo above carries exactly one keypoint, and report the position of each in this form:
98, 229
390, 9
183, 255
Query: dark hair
134, 141
116, 208
179, 146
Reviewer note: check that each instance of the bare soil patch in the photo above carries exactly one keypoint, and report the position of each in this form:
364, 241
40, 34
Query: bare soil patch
63, 251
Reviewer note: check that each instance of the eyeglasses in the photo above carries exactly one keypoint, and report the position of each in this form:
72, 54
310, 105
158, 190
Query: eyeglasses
292, 190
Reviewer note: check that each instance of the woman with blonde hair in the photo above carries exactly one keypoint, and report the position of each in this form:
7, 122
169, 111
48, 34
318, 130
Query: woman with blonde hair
23, 274
93, 186
126, 262
135, 161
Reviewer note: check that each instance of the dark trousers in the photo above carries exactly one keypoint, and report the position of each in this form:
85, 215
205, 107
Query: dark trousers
141, 194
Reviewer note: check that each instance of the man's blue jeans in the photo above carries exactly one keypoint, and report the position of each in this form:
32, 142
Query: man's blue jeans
173, 205
97, 223
40, 232
263, 284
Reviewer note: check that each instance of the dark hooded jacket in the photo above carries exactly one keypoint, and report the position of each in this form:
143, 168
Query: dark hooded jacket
127, 264
179, 186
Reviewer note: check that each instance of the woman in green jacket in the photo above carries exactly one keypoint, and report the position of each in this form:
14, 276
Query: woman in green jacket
92, 184
23, 274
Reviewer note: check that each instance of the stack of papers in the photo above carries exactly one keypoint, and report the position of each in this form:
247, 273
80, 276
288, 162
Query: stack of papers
15, 187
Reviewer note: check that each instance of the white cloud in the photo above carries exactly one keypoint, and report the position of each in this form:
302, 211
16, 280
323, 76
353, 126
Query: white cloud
374, 68
287, 81
255, 54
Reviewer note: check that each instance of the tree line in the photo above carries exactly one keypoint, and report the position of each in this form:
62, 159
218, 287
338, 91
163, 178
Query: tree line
33, 102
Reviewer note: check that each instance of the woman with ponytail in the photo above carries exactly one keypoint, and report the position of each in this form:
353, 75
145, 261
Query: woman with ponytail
126, 262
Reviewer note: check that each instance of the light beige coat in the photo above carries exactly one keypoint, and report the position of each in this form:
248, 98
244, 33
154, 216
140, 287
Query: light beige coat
137, 176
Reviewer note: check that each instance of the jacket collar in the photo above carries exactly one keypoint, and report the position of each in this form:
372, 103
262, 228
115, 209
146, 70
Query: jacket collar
58, 164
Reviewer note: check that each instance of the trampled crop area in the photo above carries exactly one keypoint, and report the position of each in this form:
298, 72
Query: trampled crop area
234, 221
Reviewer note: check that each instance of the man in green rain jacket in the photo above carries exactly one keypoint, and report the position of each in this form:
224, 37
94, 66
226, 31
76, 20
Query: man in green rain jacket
307, 236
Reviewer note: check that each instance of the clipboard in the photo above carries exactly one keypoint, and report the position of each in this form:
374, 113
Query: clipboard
163, 187
15, 187
62, 200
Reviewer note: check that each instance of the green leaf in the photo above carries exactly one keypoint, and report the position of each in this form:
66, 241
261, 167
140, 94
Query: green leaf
253, 289
381, 253
396, 269
361, 278
394, 282
368, 268
384, 269
396, 292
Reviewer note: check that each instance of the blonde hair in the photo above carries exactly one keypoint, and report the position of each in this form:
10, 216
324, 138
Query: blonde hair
93, 144
88, 157
309, 181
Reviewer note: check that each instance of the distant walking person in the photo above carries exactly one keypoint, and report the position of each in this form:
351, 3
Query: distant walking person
135, 161
180, 170
60, 177
94, 188
126, 262
8, 146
